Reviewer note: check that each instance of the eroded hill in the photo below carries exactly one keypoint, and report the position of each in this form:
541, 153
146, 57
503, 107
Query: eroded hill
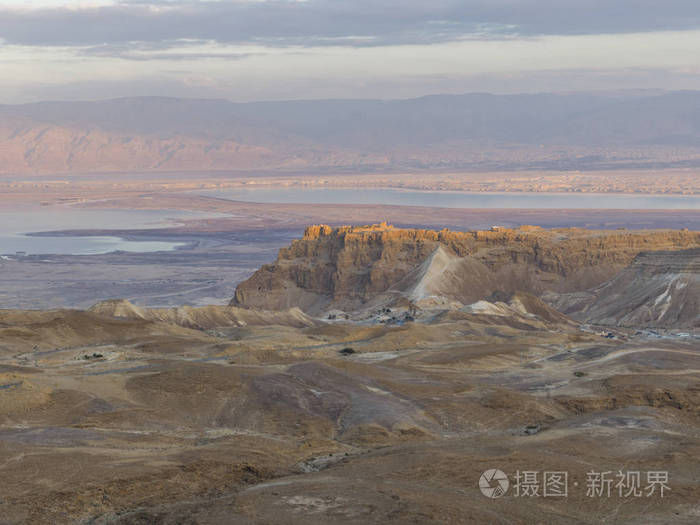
354, 268
659, 289
131, 415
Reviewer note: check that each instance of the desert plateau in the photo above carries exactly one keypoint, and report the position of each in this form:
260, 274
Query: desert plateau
371, 375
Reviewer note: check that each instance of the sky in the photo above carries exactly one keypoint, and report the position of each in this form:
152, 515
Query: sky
246, 50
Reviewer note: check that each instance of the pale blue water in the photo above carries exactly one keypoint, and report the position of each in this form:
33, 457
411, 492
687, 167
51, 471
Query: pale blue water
74, 245
457, 199
15, 224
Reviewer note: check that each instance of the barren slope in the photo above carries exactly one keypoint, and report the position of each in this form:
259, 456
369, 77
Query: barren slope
659, 289
119, 420
125, 415
349, 267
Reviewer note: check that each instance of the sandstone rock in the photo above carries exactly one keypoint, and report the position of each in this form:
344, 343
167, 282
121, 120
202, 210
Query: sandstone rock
353, 266
659, 289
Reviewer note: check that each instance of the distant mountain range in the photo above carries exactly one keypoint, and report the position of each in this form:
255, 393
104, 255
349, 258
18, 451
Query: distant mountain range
472, 131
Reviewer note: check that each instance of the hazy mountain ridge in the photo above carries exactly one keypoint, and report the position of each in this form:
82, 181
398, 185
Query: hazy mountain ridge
158, 133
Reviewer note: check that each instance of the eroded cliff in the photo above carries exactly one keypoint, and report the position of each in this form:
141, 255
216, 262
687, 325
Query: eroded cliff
659, 289
352, 266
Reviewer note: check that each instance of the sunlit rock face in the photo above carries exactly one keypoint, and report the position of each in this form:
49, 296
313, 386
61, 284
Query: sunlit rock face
353, 266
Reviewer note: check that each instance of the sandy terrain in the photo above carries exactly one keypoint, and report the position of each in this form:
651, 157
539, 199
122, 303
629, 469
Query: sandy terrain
129, 420
218, 414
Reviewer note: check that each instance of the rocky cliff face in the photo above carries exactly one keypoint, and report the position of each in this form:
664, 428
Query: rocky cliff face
349, 267
659, 289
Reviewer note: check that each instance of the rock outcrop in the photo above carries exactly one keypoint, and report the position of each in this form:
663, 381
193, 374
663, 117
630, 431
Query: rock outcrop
203, 317
351, 267
659, 289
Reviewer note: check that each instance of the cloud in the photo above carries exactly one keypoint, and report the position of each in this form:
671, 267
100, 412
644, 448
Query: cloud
284, 49
313, 23
165, 50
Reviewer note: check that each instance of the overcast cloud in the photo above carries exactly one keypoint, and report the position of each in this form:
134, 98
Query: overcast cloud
325, 22
227, 46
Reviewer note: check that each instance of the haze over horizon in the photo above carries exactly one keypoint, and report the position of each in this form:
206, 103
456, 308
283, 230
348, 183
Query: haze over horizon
251, 50
623, 92
473, 131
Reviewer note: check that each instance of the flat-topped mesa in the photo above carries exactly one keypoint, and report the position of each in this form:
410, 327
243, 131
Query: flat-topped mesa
349, 266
